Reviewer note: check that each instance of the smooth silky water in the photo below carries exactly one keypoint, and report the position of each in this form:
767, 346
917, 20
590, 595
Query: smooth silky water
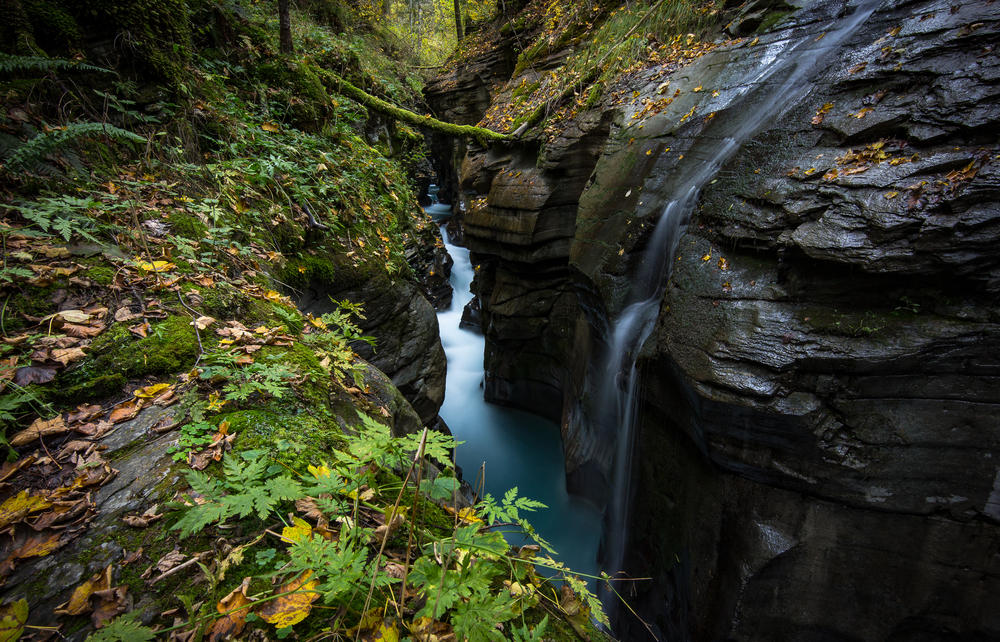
518, 449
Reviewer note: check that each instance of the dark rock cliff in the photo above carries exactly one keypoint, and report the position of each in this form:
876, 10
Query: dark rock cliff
818, 452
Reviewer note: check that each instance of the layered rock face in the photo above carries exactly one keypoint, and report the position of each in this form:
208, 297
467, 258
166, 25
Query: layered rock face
818, 455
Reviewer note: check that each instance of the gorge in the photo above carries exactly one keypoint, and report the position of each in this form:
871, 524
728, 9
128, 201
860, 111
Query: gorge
814, 453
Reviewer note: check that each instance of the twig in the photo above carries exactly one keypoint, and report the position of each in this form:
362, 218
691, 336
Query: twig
194, 324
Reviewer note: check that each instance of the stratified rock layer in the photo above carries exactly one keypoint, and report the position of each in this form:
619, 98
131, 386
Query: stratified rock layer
818, 455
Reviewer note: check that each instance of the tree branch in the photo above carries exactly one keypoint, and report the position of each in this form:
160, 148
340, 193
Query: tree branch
483, 136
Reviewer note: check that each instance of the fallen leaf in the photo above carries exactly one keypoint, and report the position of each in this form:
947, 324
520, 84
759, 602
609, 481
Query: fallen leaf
170, 560
298, 531
891, 195
109, 604
39, 428
13, 617
71, 316
270, 127
203, 322
295, 606
67, 356
11, 467
82, 331
857, 68
234, 612
125, 411
124, 314
82, 413
140, 329
79, 602
37, 545
34, 374
149, 392
156, 266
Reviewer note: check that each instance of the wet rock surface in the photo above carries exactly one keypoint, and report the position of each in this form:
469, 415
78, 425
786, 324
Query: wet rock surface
817, 457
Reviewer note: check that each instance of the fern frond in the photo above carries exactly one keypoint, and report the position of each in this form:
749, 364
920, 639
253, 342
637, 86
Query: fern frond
11, 64
32, 152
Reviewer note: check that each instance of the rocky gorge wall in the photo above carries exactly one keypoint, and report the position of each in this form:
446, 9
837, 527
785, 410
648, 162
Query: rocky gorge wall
817, 453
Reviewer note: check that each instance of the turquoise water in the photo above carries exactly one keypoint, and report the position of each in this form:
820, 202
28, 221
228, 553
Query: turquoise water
517, 448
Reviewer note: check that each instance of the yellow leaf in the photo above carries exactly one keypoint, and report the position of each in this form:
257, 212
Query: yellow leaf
271, 295
319, 471
467, 514
13, 617
295, 606
707, 257
891, 194
79, 602
214, 403
300, 530
387, 632
698, 88
270, 127
156, 266
151, 391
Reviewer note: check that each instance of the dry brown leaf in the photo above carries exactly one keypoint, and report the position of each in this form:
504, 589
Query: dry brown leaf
39, 428
34, 374
83, 412
125, 411
203, 322
110, 603
37, 545
170, 560
82, 331
67, 356
10, 467
141, 329
233, 611
124, 314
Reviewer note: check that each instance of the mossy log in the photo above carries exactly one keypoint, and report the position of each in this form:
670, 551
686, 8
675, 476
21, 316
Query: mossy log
481, 135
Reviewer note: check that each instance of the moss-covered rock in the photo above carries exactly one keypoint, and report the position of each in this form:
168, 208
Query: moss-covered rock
117, 356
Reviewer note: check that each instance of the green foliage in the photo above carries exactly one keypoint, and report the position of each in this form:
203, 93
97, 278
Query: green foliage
33, 152
65, 215
508, 509
22, 65
466, 575
244, 382
246, 489
123, 629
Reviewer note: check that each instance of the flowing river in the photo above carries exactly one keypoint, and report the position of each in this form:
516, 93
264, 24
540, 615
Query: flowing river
518, 449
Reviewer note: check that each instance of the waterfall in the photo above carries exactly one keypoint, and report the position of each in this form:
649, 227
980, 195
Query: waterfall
610, 405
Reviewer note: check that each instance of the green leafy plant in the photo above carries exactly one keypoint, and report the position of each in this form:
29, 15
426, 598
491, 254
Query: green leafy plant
13, 64
35, 149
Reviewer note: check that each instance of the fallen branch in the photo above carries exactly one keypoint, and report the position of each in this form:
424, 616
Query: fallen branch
481, 135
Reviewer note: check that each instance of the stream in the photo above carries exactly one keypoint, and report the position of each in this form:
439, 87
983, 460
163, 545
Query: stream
518, 449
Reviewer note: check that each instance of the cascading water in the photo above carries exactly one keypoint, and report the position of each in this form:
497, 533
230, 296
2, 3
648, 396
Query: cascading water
611, 403
517, 448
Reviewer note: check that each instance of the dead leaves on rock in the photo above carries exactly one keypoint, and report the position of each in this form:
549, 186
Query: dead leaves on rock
97, 597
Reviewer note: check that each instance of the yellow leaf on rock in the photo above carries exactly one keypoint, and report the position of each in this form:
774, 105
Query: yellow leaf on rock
13, 617
295, 606
16, 508
79, 602
891, 195
151, 391
707, 257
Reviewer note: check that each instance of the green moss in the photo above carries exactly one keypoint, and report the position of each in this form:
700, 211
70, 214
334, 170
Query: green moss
296, 439
224, 301
117, 355
101, 275
301, 94
52, 25
187, 225
771, 20
159, 30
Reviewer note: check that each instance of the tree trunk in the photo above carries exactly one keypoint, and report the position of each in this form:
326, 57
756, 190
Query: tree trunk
459, 23
285, 26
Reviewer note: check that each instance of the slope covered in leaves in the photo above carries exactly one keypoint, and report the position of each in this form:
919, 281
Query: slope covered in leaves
195, 456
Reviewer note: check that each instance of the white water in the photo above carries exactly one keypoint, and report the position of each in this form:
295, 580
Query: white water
612, 377
519, 449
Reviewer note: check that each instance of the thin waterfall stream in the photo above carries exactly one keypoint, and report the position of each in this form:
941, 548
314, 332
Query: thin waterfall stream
611, 406
516, 448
